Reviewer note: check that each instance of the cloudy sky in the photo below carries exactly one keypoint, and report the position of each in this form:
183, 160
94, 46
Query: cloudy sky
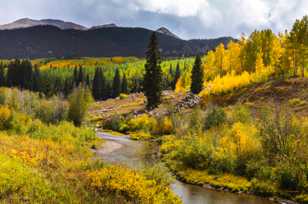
186, 18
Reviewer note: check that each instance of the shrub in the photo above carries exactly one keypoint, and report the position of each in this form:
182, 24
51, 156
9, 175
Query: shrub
290, 177
140, 135
278, 134
142, 122
160, 174
116, 123
195, 152
215, 118
79, 102
296, 102
5, 117
263, 188
303, 198
22, 184
164, 126
131, 184
240, 113
52, 111
123, 96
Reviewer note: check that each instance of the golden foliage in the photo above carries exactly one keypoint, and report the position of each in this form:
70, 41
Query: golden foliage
117, 179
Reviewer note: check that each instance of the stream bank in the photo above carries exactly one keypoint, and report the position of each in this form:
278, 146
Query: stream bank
122, 150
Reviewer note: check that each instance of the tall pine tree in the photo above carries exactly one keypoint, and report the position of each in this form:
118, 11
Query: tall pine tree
116, 85
80, 76
75, 76
124, 88
197, 76
152, 82
97, 85
36, 79
2, 75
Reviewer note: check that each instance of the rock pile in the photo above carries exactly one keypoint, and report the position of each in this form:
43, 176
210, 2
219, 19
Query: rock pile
189, 101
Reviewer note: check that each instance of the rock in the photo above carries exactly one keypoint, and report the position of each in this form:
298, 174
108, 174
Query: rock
189, 101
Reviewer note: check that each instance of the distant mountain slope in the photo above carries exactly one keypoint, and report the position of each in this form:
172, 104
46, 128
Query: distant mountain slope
49, 41
110, 25
27, 23
164, 30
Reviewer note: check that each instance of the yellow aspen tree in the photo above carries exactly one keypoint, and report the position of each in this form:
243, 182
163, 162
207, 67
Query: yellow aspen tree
259, 63
234, 51
209, 67
219, 58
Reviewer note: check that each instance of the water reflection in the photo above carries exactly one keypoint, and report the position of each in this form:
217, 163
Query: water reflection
130, 153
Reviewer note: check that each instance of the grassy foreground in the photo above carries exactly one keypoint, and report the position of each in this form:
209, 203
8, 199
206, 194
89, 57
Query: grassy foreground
46, 159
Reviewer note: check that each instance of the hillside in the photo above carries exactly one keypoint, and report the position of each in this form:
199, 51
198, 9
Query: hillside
290, 93
48, 41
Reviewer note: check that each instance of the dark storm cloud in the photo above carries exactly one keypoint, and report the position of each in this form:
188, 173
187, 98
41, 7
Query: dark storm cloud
187, 18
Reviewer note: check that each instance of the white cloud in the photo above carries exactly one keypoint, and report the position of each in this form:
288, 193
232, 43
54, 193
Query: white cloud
187, 18
181, 8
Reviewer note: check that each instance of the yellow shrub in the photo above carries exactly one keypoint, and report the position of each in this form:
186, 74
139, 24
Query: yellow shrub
140, 135
167, 125
297, 102
142, 122
5, 116
118, 60
130, 183
22, 184
232, 81
245, 138
233, 183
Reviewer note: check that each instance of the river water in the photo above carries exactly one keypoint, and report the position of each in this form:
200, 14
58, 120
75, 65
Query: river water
122, 150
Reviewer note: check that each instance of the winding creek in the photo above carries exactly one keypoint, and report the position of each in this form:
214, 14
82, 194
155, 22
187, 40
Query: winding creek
122, 150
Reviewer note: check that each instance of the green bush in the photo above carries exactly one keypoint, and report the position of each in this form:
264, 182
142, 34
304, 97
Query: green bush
215, 118
195, 153
303, 198
52, 111
160, 174
263, 188
79, 102
289, 177
116, 123
240, 113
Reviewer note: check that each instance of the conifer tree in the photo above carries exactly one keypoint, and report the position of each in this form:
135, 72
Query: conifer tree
197, 76
36, 79
68, 86
2, 76
75, 76
26, 78
116, 85
97, 85
80, 78
152, 82
124, 88
88, 80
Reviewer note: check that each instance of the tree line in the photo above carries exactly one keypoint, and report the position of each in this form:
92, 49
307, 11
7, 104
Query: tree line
25, 75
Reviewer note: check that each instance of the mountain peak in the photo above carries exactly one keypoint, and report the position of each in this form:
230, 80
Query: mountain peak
27, 22
166, 31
